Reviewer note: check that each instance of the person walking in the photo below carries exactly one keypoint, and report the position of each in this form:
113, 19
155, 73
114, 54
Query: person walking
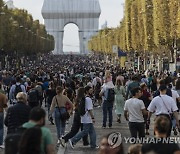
30, 142
3, 105
17, 114
146, 98
87, 120
163, 105
50, 93
37, 118
134, 110
77, 120
107, 94
119, 98
33, 96
15, 89
59, 106
133, 84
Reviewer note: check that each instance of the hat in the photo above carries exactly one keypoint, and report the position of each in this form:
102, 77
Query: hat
162, 87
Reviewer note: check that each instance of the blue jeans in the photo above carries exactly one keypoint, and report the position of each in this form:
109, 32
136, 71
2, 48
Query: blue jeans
173, 122
107, 110
87, 129
1, 127
60, 125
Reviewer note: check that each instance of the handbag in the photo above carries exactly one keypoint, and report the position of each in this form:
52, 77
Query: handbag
170, 114
64, 114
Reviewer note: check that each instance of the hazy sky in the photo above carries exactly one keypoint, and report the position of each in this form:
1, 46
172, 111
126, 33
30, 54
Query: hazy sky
111, 11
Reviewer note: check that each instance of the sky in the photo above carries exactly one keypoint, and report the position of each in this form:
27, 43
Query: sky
111, 11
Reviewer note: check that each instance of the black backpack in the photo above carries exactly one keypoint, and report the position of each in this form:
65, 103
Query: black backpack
81, 107
12, 141
110, 95
33, 95
98, 86
17, 90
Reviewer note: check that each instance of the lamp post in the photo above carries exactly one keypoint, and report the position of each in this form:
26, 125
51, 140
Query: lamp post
175, 52
84, 44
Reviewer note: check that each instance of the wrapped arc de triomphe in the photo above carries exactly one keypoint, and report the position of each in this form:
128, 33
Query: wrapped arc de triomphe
84, 13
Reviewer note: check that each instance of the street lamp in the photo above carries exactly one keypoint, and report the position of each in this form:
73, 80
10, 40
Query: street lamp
84, 44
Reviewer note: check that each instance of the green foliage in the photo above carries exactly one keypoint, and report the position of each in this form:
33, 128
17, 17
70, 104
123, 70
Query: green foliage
20, 34
148, 26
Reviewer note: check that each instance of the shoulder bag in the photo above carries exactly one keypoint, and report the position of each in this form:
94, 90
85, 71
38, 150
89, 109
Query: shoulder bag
170, 114
64, 114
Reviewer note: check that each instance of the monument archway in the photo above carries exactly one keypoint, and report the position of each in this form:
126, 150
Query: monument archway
71, 39
84, 13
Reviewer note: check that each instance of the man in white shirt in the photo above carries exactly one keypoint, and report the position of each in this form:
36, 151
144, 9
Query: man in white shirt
163, 105
87, 120
135, 108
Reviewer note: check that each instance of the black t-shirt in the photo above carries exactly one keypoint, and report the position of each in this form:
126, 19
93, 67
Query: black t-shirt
50, 94
160, 148
168, 92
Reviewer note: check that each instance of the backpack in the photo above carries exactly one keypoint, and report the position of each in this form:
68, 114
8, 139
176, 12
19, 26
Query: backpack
110, 95
97, 89
98, 86
81, 107
12, 141
17, 90
33, 95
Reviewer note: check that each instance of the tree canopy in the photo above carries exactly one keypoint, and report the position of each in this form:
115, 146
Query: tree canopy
148, 27
21, 34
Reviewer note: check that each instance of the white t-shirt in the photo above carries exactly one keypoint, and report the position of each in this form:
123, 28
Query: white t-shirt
94, 82
88, 106
175, 95
134, 107
105, 88
157, 105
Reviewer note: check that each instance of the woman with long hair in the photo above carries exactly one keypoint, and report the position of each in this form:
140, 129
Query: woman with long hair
77, 120
59, 104
119, 99
50, 93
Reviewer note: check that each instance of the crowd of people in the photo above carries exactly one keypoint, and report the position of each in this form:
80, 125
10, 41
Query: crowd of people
72, 86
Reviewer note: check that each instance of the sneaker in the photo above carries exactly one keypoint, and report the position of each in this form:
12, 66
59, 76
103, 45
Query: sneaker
97, 147
175, 131
62, 142
58, 142
2, 146
51, 121
147, 133
85, 144
98, 106
103, 127
71, 144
